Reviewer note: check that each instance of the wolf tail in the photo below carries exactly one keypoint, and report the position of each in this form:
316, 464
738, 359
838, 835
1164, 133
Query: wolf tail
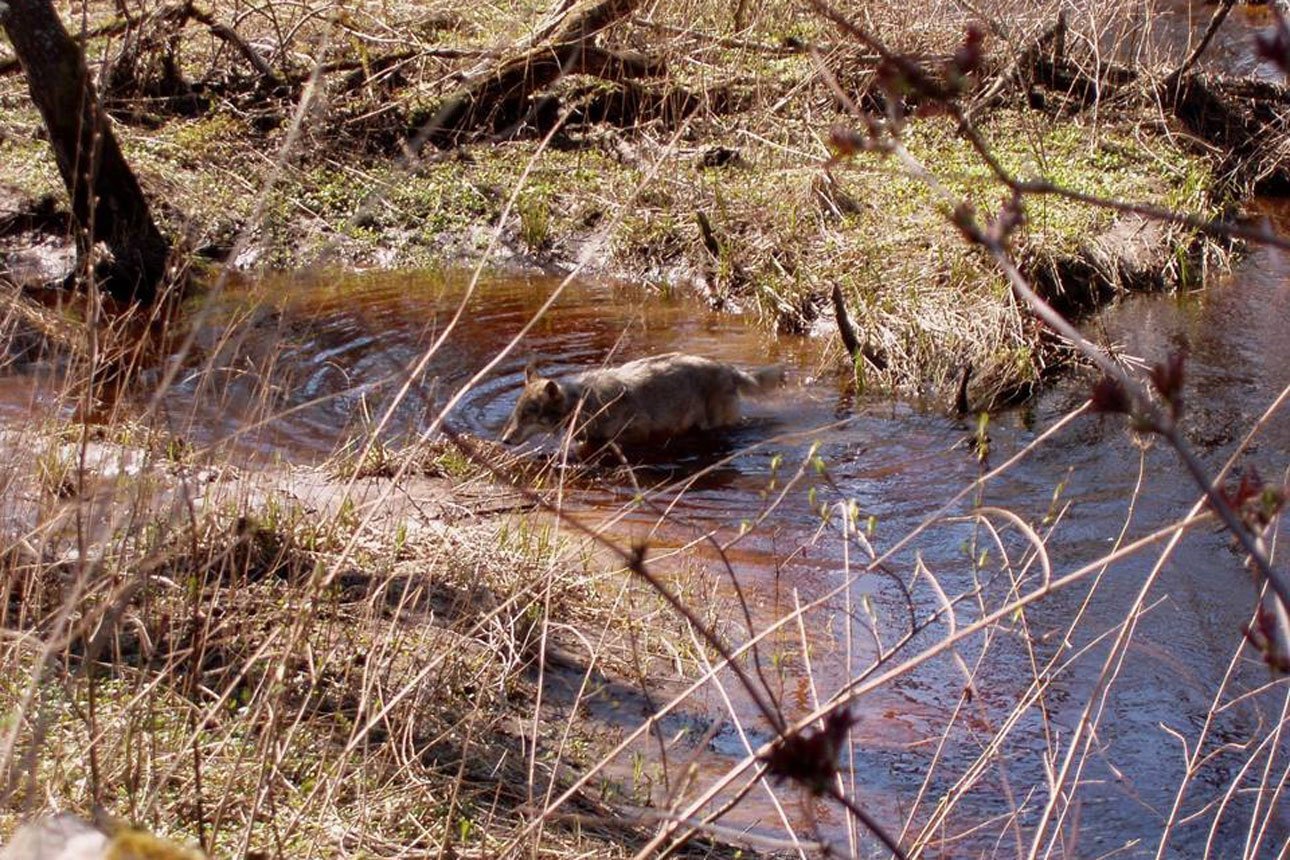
761, 380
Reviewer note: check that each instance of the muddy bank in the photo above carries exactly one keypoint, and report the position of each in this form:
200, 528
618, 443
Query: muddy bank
763, 234
735, 197
325, 632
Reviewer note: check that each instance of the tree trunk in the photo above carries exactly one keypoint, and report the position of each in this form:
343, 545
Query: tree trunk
107, 202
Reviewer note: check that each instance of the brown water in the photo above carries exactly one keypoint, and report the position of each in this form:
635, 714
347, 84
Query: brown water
333, 351
323, 357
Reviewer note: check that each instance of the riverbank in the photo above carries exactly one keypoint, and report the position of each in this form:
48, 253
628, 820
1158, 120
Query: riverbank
390, 655
373, 655
741, 203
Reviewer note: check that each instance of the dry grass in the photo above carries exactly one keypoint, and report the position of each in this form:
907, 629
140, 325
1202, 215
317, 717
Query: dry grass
201, 655
306, 664
624, 200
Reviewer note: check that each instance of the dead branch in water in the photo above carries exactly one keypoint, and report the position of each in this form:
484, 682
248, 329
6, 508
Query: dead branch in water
851, 338
961, 405
1215, 22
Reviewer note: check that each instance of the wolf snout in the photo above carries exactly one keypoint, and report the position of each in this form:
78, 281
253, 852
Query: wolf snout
511, 432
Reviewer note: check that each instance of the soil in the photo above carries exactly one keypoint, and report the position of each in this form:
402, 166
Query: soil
734, 196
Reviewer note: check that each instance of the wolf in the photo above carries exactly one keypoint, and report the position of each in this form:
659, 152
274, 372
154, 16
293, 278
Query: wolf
649, 400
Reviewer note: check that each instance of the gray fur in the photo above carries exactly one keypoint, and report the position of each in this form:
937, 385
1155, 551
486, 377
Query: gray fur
647, 400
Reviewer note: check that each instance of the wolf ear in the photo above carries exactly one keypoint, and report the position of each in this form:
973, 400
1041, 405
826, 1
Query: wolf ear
530, 372
552, 390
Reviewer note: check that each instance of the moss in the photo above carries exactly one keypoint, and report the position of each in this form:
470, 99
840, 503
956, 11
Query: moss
786, 230
29, 164
205, 140
784, 238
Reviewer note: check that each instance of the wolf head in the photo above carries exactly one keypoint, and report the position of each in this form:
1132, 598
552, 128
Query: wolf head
543, 404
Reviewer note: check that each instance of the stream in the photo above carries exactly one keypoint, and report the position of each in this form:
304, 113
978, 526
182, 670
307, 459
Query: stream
338, 348
289, 367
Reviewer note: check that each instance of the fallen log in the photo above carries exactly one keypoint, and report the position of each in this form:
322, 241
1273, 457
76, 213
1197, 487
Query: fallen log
1248, 118
851, 338
499, 96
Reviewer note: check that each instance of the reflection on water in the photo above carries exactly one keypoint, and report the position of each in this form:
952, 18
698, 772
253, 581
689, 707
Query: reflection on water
292, 366
340, 352
1161, 34
333, 356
